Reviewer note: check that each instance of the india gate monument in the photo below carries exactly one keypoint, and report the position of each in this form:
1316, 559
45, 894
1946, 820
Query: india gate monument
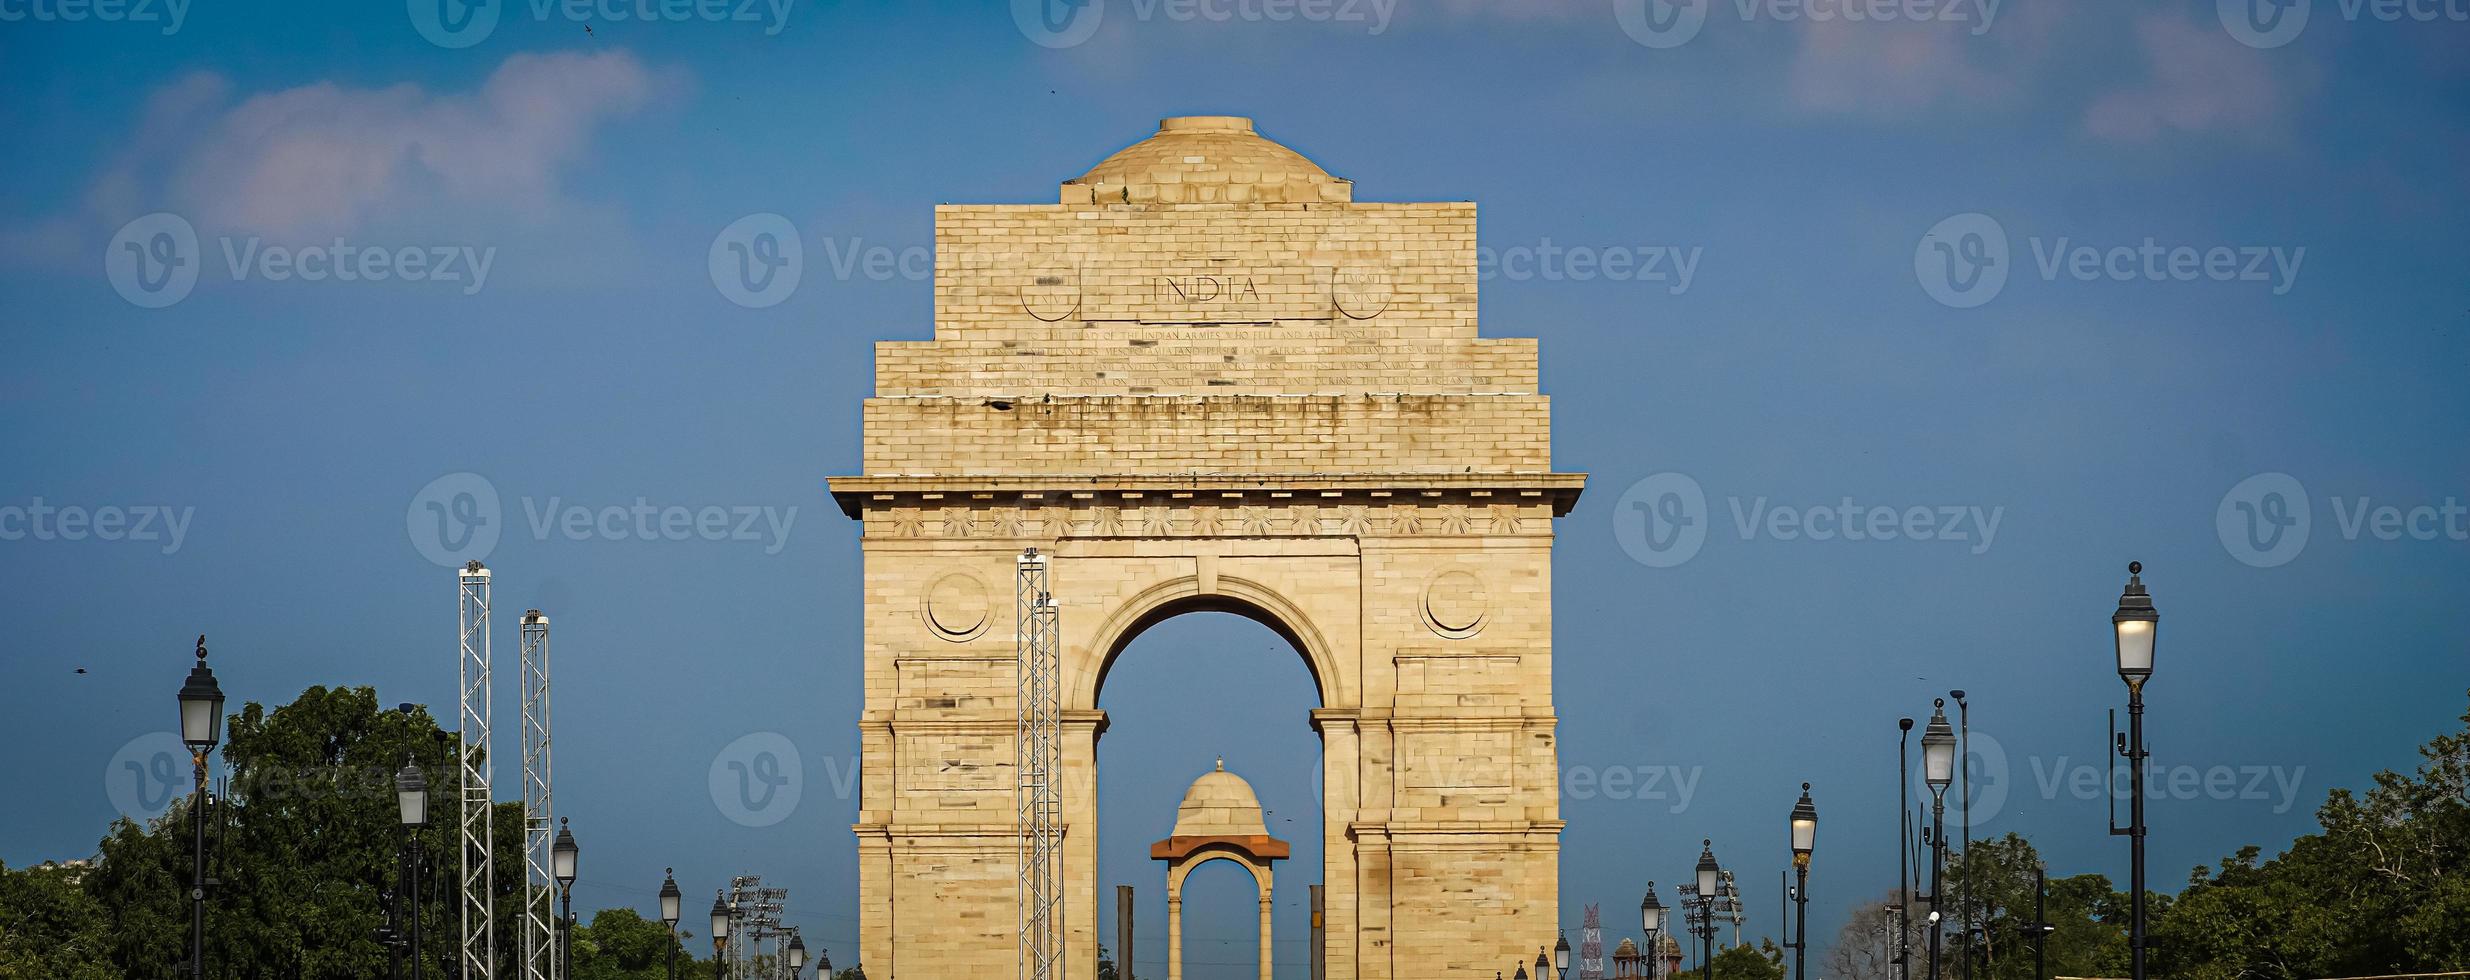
1208, 378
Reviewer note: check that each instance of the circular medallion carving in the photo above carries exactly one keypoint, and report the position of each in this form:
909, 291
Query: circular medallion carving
1362, 291
1455, 604
956, 606
1051, 292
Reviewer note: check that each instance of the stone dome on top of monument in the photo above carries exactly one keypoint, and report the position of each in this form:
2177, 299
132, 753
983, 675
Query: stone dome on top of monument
1207, 160
1220, 804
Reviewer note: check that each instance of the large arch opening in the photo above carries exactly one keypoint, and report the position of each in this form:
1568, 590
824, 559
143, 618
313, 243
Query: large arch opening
1192, 681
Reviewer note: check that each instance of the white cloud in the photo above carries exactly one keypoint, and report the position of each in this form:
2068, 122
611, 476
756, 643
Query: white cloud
326, 159
2200, 81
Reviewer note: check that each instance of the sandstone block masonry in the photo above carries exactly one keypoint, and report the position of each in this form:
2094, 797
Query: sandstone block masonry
1210, 379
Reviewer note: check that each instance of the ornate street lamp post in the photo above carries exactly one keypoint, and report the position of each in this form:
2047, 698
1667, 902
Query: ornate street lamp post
1651, 918
1560, 957
1804, 840
562, 867
1938, 770
412, 800
1709, 875
2134, 625
201, 728
720, 936
1964, 800
797, 955
670, 898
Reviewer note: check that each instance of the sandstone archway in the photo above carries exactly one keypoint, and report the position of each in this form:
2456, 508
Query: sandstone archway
1211, 379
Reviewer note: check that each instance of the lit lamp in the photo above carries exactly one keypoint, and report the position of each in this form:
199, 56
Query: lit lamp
720, 933
1804, 839
670, 898
412, 807
201, 728
562, 867
1710, 874
2134, 625
1651, 919
1938, 770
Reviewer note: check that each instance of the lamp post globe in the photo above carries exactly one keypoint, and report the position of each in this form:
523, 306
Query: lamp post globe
669, 897
201, 706
797, 954
1708, 870
562, 855
823, 965
1560, 956
720, 933
1804, 828
412, 795
1938, 750
1651, 911
2134, 625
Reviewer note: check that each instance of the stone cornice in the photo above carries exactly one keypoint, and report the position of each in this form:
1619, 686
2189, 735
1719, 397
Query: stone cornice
858, 493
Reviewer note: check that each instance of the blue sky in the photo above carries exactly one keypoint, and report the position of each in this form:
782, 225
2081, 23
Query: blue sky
1826, 353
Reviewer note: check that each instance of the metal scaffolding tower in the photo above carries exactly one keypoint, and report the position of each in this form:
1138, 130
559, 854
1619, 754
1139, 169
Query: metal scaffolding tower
754, 916
1591, 945
540, 960
1038, 755
479, 955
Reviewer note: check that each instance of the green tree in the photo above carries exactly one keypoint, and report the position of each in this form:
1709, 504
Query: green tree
1764, 961
1991, 885
50, 927
2384, 888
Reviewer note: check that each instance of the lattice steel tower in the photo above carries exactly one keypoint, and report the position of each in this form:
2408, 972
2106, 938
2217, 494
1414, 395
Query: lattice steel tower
1591, 945
479, 955
1038, 757
540, 961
